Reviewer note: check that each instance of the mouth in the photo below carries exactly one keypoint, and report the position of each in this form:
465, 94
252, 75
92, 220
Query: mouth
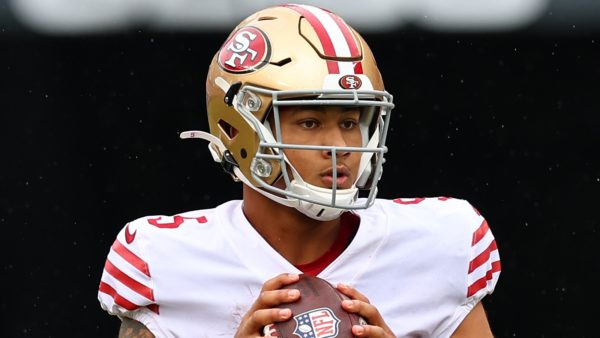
342, 180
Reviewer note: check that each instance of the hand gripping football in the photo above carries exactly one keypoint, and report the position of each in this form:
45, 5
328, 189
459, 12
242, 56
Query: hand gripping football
317, 314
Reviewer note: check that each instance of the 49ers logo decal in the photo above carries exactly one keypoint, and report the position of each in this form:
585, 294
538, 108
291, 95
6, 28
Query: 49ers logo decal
247, 50
350, 82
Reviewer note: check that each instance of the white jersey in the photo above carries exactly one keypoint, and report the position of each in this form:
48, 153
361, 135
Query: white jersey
424, 263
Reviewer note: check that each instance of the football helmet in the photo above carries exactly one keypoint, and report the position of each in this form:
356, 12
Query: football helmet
284, 56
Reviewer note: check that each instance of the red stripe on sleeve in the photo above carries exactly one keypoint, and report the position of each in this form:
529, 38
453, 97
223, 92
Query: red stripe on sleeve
496, 267
480, 232
482, 257
132, 258
332, 66
119, 300
478, 285
128, 281
482, 282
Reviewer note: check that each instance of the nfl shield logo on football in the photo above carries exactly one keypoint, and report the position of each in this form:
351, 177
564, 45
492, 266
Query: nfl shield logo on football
317, 323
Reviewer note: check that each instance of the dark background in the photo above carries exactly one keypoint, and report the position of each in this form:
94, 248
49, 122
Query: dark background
89, 141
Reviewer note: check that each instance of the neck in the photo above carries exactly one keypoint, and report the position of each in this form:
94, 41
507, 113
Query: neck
297, 237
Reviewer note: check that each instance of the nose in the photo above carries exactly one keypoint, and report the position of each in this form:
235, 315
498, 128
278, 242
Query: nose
334, 137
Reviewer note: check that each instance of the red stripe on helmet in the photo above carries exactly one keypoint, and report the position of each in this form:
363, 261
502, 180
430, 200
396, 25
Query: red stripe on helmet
324, 38
350, 40
348, 36
358, 68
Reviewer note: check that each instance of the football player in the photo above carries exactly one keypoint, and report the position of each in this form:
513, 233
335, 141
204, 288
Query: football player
299, 115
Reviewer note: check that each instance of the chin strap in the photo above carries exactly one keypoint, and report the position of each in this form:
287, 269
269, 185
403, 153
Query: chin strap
323, 195
312, 210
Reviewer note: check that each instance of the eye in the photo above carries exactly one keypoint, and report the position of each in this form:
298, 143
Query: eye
348, 124
308, 124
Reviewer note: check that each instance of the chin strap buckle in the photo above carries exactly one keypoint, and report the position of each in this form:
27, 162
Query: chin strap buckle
229, 163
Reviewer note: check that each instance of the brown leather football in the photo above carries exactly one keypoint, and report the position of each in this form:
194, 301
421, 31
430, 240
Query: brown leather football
317, 314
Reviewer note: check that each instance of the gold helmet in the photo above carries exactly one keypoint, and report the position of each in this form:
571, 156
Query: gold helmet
293, 55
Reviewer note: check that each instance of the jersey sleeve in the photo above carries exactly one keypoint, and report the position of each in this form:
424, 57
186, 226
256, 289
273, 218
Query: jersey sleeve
481, 263
484, 262
126, 287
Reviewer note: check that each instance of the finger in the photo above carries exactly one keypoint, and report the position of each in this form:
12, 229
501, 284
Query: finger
359, 304
369, 313
272, 295
280, 281
365, 310
369, 331
268, 299
263, 311
351, 292
259, 318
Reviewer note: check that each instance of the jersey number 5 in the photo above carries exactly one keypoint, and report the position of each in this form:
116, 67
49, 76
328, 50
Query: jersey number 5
173, 222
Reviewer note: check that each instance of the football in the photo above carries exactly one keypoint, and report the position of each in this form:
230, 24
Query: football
317, 314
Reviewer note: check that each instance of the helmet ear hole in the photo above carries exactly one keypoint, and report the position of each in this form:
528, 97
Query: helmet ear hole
227, 129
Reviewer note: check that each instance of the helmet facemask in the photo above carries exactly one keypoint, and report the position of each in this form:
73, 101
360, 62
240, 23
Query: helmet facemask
318, 202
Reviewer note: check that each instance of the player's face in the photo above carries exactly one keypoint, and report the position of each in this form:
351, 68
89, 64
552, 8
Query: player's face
322, 126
